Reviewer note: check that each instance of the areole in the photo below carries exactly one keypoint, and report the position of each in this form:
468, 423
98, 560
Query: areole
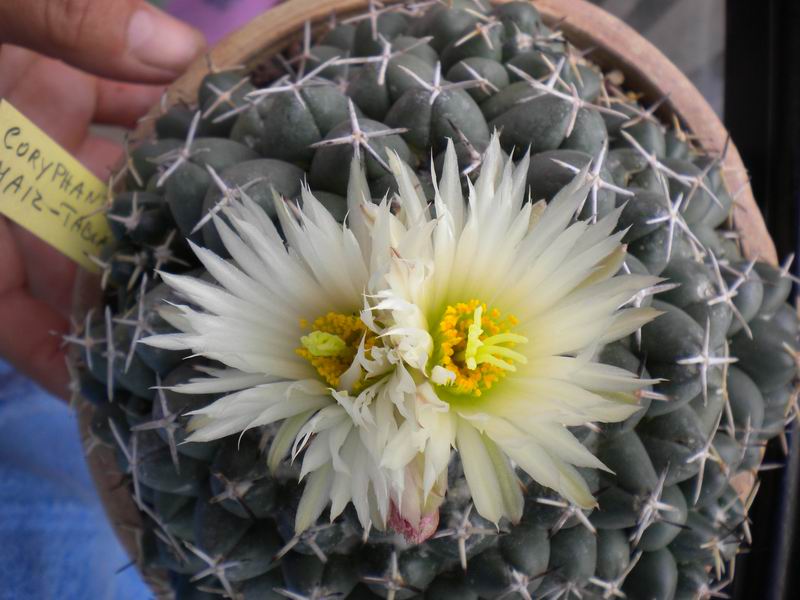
645, 70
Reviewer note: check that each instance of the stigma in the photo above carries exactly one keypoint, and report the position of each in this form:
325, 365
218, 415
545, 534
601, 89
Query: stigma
475, 348
332, 344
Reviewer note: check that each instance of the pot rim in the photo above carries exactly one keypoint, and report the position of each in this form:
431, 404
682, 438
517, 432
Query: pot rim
616, 46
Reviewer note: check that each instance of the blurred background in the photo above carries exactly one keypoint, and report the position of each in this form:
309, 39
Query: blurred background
742, 55
690, 32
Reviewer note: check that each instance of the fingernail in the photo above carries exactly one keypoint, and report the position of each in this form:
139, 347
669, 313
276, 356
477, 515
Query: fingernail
157, 40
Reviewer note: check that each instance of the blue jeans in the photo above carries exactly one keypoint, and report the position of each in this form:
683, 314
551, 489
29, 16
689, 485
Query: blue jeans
55, 540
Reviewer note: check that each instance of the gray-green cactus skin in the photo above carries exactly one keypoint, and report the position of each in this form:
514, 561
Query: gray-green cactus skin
724, 351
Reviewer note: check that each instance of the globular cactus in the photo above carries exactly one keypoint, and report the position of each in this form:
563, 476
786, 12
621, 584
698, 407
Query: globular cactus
418, 85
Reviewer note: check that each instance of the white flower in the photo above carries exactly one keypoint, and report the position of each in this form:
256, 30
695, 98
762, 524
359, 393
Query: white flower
497, 307
383, 344
262, 319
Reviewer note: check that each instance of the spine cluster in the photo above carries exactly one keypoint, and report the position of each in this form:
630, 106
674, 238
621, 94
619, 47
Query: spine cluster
405, 78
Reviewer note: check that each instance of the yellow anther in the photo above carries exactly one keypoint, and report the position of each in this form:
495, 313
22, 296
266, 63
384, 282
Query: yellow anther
332, 344
475, 344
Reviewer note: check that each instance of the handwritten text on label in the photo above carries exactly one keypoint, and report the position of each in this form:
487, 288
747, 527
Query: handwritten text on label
47, 191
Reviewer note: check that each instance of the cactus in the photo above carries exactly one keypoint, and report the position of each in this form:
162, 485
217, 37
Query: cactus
415, 85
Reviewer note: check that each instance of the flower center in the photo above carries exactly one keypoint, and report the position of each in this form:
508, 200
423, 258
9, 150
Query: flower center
474, 348
332, 344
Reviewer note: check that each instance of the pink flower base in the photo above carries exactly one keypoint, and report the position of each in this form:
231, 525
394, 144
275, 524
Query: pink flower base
413, 534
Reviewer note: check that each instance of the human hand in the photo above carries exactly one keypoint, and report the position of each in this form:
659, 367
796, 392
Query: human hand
117, 54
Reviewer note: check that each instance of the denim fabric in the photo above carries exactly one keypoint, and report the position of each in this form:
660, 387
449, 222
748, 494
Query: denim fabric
55, 541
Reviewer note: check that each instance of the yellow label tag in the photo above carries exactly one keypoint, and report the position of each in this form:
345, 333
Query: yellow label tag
47, 191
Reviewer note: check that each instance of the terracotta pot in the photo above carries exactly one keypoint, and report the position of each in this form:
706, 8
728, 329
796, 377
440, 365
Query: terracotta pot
645, 69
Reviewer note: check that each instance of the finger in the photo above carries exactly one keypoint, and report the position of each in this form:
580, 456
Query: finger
49, 275
30, 339
58, 98
123, 103
100, 155
119, 39
63, 100
26, 324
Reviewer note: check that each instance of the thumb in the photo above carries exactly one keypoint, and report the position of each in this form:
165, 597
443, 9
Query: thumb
119, 39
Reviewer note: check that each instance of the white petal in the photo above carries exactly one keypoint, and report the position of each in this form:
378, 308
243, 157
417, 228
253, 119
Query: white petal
314, 499
223, 381
628, 321
479, 470
358, 197
206, 429
510, 487
449, 189
282, 442
437, 452
409, 191
545, 468
403, 447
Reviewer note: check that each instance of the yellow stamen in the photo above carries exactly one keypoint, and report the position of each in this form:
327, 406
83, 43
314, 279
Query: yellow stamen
476, 346
332, 344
